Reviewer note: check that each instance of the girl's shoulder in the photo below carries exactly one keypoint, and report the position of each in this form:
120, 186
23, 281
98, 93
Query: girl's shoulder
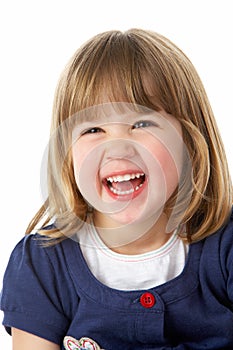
38, 293
223, 238
42, 255
217, 252
226, 244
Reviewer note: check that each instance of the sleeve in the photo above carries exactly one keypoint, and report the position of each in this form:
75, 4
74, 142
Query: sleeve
30, 296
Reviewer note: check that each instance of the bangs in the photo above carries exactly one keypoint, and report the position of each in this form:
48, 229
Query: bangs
115, 68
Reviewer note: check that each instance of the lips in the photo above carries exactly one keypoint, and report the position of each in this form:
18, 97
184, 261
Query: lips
125, 185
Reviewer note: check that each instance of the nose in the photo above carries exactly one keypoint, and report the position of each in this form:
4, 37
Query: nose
120, 148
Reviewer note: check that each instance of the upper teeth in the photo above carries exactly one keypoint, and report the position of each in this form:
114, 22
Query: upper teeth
126, 177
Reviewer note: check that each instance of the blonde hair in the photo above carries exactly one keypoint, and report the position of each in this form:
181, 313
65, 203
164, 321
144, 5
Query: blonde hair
147, 69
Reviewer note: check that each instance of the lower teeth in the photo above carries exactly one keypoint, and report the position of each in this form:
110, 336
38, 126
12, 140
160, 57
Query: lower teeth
125, 192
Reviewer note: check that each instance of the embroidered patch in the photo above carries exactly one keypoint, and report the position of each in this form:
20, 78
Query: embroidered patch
84, 343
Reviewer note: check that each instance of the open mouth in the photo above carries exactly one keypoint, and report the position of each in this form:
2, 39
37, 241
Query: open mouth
124, 185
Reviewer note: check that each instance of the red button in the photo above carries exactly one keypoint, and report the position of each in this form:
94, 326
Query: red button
147, 300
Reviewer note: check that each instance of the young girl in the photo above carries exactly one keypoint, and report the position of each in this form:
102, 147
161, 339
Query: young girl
135, 246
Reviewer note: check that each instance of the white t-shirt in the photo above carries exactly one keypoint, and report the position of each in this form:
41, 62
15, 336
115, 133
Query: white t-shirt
131, 272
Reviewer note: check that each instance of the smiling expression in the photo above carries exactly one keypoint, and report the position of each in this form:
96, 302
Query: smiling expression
127, 163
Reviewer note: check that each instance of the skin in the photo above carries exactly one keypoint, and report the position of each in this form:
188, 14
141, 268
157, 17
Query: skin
25, 341
123, 143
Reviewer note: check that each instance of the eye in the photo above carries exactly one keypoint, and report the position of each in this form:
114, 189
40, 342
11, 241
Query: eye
94, 130
144, 124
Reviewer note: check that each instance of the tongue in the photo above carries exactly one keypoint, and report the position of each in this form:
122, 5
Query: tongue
126, 185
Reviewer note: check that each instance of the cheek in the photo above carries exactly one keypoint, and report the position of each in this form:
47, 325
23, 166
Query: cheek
86, 162
84, 155
169, 167
170, 170
79, 156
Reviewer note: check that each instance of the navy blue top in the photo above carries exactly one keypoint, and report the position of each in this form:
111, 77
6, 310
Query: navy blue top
50, 292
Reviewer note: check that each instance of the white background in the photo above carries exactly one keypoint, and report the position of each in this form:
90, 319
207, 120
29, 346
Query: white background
37, 39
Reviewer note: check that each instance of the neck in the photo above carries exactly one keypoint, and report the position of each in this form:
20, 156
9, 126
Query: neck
133, 239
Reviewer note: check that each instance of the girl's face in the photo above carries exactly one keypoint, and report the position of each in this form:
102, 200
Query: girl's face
127, 164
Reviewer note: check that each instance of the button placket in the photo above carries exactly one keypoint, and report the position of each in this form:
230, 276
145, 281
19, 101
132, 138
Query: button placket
149, 322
